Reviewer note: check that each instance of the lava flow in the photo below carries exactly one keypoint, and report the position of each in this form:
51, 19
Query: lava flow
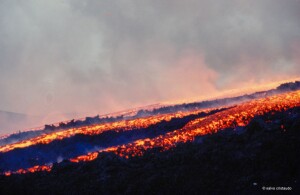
239, 115
97, 129
236, 116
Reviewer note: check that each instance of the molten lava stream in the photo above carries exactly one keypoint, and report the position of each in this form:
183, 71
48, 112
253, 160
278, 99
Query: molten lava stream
36, 168
98, 129
236, 116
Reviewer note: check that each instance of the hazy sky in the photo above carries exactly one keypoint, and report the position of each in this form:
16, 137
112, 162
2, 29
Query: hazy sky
108, 55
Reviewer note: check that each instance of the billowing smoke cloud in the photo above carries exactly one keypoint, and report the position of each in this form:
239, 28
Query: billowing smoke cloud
91, 56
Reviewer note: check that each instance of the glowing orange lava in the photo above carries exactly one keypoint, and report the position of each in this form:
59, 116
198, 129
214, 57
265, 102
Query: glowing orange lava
236, 116
239, 115
36, 168
97, 129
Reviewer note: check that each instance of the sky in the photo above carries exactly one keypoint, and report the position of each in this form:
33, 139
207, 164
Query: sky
91, 56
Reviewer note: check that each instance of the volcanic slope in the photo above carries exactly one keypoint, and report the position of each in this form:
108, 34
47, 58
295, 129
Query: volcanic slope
240, 149
198, 124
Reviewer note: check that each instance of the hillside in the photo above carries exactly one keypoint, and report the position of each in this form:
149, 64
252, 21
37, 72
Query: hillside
244, 160
240, 144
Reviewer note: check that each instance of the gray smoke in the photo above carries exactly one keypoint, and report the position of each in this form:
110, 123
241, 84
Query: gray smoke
90, 56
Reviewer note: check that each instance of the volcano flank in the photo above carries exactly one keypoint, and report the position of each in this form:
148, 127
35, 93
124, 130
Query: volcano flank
242, 143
